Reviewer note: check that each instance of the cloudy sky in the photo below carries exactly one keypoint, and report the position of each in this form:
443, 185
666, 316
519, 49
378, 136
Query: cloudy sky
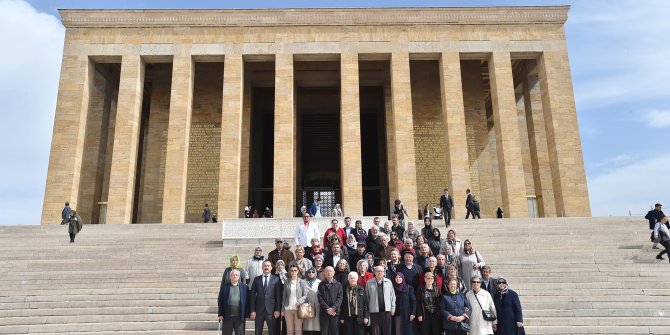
619, 53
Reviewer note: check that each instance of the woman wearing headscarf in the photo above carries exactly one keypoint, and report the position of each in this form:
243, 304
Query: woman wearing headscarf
280, 271
480, 300
455, 310
454, 244
359, 233
427, 230
471, 263
74, 225
435, 241
235, 265
428, 299
411, 231
405, 306
351, 244
255, 264
312, 326
508, 307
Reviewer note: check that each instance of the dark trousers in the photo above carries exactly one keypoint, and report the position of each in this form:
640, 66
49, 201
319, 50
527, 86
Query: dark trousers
72, 235
329, 324
381, 323
267, 318
472, 211
454, 332
666, 246
431, 324
352, 326
233, 324
447, 217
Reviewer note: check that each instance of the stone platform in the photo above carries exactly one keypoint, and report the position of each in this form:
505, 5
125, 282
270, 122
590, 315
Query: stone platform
574, 276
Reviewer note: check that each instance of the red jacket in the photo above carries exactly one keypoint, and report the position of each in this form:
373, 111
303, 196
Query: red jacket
340, 232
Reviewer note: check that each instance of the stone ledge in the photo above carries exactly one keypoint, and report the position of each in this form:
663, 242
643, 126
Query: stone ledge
74, 18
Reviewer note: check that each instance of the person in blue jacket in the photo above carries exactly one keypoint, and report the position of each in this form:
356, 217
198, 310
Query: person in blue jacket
455, 310
508, 308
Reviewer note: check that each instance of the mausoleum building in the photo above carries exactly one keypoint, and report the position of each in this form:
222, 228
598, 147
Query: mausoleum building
162, 111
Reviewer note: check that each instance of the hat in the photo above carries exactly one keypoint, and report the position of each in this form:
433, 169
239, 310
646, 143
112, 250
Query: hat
361, 244
658, 205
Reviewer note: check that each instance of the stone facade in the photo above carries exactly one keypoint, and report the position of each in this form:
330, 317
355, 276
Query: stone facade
156, 109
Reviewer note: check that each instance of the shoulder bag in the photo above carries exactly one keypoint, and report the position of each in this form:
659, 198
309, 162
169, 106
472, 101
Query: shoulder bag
486, 313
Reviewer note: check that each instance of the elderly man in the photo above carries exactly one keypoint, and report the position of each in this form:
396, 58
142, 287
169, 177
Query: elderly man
329, 295
280, 253
355, 313
233, 304
381, 298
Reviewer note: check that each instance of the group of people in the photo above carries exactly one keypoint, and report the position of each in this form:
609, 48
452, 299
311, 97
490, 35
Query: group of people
314, 210
385, 280
70, 218
660, 230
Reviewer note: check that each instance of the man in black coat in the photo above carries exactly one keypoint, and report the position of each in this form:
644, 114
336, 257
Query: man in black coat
654, 216
329, 294
233, 304
266, 300
469, 204
447, 204
355, 312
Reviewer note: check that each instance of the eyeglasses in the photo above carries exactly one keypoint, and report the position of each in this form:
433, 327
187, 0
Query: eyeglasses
502, 282
476, 282
467, 243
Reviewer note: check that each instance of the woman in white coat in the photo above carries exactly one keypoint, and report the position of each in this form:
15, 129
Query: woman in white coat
312, 326
479, 300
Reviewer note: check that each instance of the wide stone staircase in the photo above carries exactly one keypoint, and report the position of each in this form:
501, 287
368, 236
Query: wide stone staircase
574, 276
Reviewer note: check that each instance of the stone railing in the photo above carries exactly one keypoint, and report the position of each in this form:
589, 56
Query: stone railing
284, 228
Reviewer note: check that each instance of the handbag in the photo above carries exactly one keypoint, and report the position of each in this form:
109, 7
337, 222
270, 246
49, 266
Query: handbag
306, 311
464, 326
487, 314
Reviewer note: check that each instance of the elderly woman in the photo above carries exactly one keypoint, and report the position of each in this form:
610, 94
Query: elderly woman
508, 308
342, 271
480, 300
455, 310
471, 262
312, 326
351, 244
363, 274
318, 265
294, 294
301, 262
234, 265
454, 244
411, 231
432, 268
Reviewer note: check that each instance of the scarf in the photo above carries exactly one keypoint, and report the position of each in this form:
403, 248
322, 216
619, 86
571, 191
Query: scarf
505, 289
238, 262
402, 287
310, 281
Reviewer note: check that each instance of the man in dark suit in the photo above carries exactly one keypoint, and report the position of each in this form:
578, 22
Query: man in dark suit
447, 204
489, 283
233, 304
469, 204
265, 300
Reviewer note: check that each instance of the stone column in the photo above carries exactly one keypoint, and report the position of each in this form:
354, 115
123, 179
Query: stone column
231, 137
538, 146
179, 126
350, 135
563, 142
453, 114
508, 145
126, 141
67, 144
403, 128
283, 196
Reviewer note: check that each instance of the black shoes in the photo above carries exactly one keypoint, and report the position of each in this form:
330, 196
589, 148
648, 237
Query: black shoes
659, 257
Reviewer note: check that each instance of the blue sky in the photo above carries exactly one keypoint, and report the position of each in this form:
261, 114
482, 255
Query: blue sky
619, 54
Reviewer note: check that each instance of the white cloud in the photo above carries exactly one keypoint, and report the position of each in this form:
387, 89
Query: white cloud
658, 118
28, 87
631, 188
